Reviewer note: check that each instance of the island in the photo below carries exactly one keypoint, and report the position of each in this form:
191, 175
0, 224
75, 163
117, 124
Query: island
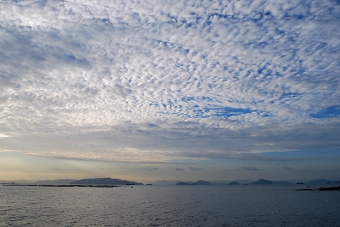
183, 183
106, 181
263, 181
94, 183
199, 182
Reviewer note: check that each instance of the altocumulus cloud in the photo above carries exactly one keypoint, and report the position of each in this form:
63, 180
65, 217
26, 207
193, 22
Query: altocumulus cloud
164, 80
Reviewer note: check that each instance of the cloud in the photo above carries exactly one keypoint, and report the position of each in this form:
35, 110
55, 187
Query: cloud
249, 168
143, 81
195, 169
65, 170
151, 168
179, 169
141, 143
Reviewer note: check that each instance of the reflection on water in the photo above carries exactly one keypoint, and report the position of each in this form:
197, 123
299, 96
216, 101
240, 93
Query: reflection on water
243, 205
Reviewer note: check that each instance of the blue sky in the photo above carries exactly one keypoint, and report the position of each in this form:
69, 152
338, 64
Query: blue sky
149, 90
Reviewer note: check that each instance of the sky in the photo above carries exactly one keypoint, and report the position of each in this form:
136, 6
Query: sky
170, 90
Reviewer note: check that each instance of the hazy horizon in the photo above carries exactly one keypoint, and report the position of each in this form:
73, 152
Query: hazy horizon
212, 180
186, 90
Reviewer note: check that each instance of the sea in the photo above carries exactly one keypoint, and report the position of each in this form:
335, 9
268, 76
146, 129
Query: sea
185, 205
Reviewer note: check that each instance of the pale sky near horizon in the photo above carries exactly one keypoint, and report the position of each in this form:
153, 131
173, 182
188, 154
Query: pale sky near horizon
180, 90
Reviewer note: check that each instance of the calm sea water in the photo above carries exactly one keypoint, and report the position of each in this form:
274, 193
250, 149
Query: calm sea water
244, 205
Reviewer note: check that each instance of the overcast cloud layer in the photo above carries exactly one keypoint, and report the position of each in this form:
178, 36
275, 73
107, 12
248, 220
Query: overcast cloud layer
156, 81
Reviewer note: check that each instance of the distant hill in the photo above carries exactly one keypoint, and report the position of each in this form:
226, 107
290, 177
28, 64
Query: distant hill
234, 183
263, 181
337, 182
202, 182
54, 182
107, 181
226, 182
183, 183
199, 182
320, 181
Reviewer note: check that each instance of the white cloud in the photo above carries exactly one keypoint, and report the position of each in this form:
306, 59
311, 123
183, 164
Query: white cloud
170, 76
3, 136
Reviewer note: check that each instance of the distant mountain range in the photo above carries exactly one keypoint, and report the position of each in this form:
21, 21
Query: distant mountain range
110, 181
199, 182
54, 182
106, 181
315, 182
259, 182
94, 181
263, 181
320, 181
228, 182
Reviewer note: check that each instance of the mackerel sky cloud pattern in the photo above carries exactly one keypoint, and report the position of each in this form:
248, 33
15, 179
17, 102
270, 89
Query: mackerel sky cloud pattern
155, 81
